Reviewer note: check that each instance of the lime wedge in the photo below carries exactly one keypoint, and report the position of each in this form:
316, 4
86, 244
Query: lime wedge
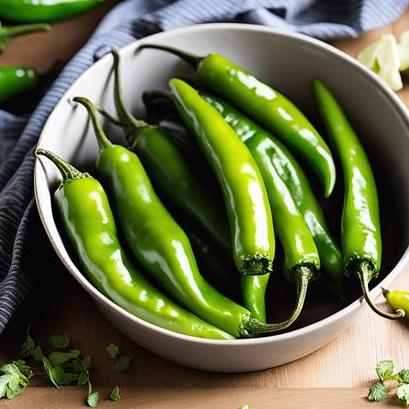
403, 49
383, 58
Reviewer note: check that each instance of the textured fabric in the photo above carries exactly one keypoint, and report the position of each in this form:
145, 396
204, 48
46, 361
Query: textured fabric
129, 20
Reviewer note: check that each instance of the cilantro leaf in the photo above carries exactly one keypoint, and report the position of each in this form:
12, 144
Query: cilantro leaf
378, 392
112, 350
93, 399
384, 369
403, 393
403, 375
86, 362
38, 354
57, 375
59, 341
23, 367
28, 346
115, 393
60, 358
83, 379
123, 363
15, 377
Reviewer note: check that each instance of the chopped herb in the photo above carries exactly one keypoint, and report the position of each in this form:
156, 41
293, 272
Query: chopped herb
112, 350
38, 354
115, 394
59, 341
384, 369
14, 378
28, 346
93, 399
86, 362
123, 363
60, 358
57, 375
403, 393
404, 375
378, 392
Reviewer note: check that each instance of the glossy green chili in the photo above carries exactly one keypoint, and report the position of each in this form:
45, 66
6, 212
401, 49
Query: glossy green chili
243, 188
265, 148
361, 230
159, 243
302, 261
265, 104
30, 11
169, 171
90, 225
216, 268
398, 300
8, 32
15, 81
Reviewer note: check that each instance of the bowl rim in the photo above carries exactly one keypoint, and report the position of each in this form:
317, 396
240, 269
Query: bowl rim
100, 297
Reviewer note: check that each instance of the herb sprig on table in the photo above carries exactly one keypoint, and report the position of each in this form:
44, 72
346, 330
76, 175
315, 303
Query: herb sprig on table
62, 367
390, 381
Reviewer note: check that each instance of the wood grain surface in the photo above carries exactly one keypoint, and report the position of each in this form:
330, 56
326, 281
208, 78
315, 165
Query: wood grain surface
336, 375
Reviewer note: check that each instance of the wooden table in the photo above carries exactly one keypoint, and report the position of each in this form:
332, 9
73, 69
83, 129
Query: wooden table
337, 375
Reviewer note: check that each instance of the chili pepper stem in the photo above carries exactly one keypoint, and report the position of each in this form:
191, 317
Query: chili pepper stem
130, 123
193, 60
302, 275
7, 32
364, 270
384, 291
68, 172
103, 141
109, 116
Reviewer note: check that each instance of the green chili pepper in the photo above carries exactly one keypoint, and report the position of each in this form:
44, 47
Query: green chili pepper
361, 230
302, 261
44, 10
167, 167
90, 226
215, 267
159, 243
260, 142
266, 105
244, 192
398, 300
8, 32
15, 81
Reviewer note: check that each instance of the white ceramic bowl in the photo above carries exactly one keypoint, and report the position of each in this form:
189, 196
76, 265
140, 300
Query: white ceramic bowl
286, 60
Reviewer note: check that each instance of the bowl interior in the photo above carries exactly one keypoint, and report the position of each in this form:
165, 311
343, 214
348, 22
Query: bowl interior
287, 62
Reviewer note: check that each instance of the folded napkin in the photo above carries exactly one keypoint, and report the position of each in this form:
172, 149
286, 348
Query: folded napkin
128, 21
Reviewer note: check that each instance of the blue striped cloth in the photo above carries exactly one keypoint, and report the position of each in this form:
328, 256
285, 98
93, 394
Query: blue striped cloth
130, 20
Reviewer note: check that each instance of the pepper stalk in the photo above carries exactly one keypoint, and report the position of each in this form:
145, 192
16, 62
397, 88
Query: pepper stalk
8, 32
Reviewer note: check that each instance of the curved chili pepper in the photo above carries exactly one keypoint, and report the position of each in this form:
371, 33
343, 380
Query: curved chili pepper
297, 183
302, 260
159, 243
90, 226
46, 11
265, 104
169, 171
218, 270
244, 192
8, 32
398, 300
361, 230
15, 81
